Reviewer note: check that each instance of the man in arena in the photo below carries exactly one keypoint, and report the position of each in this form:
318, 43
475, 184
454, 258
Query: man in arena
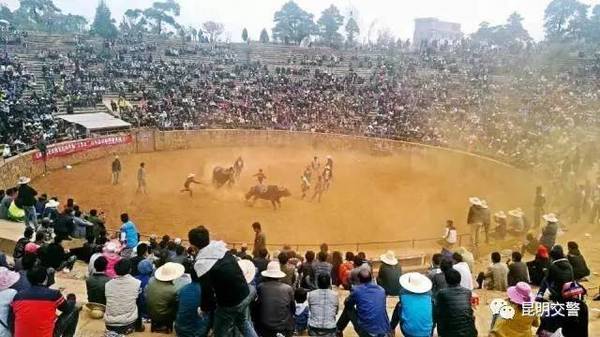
116, 170
304, 185
141, 178
261, 176
191, 179
238, 166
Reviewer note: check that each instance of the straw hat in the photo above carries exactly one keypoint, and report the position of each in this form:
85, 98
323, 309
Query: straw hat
273, 270
95, 310
415, 283
389, 258
169, 272
7, 278
248, 269
517, 213
520, 293
191, 175
23, 180
551, 217
500, 215
52, 203
475, 201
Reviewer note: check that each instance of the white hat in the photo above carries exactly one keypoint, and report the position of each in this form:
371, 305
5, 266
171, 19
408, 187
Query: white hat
191, 175
52, 203
328, 156
177, 241
111, 247
551, 217
517, 212
23, 180
475, 201
415, 283
248, 268
500, 215
169, 272
273, 270
389, 258
483, 204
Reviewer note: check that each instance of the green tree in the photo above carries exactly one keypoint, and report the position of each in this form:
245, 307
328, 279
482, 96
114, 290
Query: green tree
71, 24
329, 25
104, 24
133, 21
264, 36
292, 24
36, 14
352, 30
162, 13
6, 14
214, 30
245, 35
514, 27
593, 30
565, 19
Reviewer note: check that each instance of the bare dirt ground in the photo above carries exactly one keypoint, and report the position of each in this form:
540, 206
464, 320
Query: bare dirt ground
372, 198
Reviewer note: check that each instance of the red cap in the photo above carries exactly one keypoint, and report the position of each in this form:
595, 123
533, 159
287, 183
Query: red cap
542, 251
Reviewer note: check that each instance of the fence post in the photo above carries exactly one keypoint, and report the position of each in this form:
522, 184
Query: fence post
357, 247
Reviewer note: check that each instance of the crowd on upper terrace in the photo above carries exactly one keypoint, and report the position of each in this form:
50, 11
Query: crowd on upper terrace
465, 95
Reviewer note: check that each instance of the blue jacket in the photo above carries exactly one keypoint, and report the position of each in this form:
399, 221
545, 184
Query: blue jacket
369, 300
416, 314
188, 323
131, 234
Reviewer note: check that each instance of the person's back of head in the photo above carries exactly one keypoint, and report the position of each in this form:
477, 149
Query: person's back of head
283, 258
300, 295
516, 257
350, 256
573, 248
557, 253
452, 277
199, 237
123, 267
124, 217
37, 275
256, 226
179, 250
100, 264
324, 247
93, 212
141, 249
322, 256
309, 256
446, 264
496, 257
457, 258
323, 281
364, 276
436, 260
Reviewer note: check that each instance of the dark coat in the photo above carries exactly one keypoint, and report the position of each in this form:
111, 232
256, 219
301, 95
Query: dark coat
95, 288
580, 268
559, 273
517, 272
454, 314
537, 270
389, 279
549, 233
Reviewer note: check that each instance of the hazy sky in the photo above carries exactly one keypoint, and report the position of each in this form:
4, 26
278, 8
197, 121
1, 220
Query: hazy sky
397, 15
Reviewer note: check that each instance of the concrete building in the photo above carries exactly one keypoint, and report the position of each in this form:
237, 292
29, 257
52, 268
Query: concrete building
430, 29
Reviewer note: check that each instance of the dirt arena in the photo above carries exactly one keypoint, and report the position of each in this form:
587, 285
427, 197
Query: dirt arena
374, 197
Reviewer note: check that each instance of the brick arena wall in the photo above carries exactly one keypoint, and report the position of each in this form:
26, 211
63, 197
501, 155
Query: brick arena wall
151, 140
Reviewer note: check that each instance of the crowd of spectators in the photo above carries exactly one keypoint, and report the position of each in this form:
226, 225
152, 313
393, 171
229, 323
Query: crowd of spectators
465, 95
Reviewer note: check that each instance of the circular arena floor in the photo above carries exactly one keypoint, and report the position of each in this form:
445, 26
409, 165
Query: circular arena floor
374, 196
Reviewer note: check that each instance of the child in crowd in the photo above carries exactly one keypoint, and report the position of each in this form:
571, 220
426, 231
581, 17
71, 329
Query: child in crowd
301, 314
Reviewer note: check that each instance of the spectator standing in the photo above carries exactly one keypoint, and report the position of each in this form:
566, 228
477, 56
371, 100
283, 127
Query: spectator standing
260, 239
129, 235
389, 274
275, 304
517, 270
34, 309
450, 234
223, 284
161, 296
26, 200
116, 170
520, 325
6, 201
323, 304
365, 307
453, 310
122, 292
96, 282
414, 311
475, 219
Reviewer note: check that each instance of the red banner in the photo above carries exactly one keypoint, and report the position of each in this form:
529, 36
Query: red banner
60, 150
